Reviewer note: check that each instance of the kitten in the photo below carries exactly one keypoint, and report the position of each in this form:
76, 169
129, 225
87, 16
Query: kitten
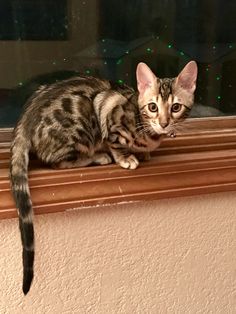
86, 120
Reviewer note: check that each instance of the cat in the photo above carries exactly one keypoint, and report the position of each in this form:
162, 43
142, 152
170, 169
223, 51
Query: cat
85, 120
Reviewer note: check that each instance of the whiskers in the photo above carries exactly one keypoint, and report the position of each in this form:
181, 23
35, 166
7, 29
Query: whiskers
143, 128
179, 127
175, 127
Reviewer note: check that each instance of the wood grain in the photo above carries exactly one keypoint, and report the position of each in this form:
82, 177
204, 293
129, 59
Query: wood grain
193, 163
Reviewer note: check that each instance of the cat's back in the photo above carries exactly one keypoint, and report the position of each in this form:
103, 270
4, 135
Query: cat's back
67, 98
47, 96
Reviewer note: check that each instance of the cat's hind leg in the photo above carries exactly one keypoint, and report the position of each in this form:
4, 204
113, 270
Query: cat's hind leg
102, 159
83, 161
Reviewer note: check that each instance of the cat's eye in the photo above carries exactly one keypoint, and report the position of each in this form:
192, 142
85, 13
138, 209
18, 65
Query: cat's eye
176, 107
153, 107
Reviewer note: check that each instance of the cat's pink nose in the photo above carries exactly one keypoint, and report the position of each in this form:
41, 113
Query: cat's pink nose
164, 124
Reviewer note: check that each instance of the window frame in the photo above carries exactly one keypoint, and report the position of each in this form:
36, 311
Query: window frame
202, 159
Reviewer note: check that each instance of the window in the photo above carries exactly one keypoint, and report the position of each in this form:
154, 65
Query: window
49, 40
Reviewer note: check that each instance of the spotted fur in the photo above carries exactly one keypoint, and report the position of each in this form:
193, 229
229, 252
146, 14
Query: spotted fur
85, 120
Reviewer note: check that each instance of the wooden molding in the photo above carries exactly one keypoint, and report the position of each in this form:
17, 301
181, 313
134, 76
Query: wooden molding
197, 162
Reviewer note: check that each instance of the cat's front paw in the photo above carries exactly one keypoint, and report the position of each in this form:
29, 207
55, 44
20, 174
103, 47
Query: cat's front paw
130, 162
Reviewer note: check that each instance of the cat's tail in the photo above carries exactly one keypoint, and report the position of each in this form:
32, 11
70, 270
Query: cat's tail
20, 189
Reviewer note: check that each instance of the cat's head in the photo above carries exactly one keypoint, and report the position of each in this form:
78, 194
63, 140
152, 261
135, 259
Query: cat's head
165, 102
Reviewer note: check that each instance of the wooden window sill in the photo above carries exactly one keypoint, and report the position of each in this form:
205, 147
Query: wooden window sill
200, 161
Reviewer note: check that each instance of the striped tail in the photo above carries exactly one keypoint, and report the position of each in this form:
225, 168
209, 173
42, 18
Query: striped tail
21, 194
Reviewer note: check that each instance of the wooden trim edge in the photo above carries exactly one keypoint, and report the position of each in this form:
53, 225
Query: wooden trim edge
190, 165
162, 177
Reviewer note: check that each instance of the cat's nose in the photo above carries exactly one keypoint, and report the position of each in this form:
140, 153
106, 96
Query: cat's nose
164, 124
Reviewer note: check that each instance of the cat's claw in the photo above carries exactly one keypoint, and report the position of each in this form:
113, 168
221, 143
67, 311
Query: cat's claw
172, 134
130, 162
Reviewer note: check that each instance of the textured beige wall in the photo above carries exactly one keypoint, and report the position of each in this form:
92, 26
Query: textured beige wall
169, 256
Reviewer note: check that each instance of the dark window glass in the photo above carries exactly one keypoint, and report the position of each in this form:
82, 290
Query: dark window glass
47, 40
33, 20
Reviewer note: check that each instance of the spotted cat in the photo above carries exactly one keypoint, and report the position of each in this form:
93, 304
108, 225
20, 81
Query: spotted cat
86, 120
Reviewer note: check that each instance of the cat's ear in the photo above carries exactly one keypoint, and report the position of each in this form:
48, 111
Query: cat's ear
187, 77
145, 77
